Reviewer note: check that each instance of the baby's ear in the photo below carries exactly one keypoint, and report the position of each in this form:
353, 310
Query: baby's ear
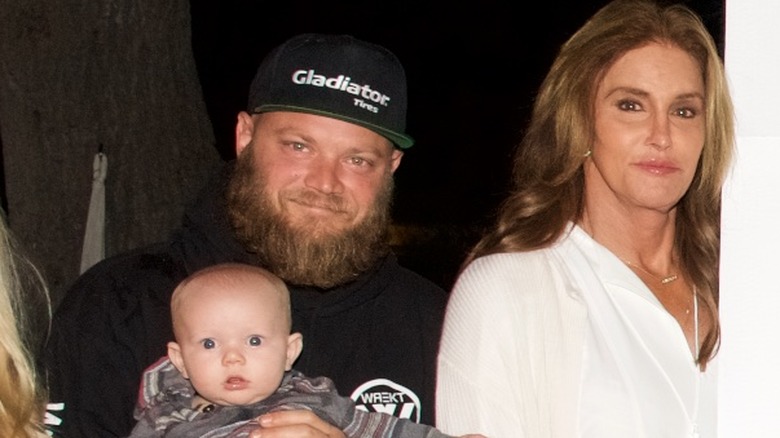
174, 354
294, 347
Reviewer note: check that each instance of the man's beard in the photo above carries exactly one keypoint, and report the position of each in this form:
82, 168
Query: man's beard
309, 254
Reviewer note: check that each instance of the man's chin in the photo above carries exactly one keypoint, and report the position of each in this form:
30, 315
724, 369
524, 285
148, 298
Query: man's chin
318, 235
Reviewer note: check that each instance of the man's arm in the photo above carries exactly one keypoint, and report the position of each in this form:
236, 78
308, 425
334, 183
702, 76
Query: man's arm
110, 326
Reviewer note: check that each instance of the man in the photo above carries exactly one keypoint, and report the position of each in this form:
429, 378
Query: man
308, 198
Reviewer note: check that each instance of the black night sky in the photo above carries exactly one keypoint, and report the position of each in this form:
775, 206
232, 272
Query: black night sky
472, 69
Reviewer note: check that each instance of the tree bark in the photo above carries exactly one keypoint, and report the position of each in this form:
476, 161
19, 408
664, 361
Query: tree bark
79, 75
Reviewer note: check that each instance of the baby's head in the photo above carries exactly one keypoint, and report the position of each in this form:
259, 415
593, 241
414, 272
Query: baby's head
232, 326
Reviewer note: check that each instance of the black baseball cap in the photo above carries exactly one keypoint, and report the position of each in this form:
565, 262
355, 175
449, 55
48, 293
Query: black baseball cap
335, 76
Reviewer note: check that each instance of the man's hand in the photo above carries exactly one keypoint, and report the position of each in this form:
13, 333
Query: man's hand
295, 424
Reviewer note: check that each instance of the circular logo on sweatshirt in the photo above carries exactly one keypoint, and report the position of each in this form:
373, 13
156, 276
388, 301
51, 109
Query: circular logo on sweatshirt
383, 395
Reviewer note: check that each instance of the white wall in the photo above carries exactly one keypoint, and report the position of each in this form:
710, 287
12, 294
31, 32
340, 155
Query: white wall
749, 379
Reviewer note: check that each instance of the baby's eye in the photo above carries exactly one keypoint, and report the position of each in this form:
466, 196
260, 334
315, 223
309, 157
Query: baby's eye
208, 344
255, 341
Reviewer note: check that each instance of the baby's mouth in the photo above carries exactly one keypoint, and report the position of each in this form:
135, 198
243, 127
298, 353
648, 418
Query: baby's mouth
235, 382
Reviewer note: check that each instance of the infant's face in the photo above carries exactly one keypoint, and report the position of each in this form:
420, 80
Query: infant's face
233, 342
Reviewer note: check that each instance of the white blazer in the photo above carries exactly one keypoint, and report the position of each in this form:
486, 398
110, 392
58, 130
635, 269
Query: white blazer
567, 342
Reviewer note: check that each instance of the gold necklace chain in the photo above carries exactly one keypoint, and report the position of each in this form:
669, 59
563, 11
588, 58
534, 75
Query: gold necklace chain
664, 280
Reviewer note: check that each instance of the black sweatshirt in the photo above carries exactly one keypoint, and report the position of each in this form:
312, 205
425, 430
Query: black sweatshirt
376, 337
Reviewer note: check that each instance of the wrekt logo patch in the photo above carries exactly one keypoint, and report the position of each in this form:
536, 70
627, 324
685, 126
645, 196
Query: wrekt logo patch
382, 395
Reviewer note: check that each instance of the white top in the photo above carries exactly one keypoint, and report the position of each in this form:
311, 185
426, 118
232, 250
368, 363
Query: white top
567, 342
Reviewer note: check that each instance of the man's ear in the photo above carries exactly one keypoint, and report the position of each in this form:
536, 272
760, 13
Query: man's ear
245, 129
395, 159
294, 347
174, 354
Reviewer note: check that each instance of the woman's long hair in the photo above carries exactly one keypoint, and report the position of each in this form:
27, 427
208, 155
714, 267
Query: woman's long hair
25, 313
548, 183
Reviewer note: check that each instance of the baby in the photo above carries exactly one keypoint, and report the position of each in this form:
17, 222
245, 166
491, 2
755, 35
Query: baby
232, 361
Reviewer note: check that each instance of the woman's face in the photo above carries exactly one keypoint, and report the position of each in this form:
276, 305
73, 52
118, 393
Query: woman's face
650, 123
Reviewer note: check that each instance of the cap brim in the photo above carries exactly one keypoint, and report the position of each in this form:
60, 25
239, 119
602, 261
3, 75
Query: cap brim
402, 141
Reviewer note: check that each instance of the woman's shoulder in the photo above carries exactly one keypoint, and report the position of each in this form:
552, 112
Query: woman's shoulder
511, 275
511, 265
510, 290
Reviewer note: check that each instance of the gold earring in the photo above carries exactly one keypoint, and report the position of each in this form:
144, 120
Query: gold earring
588, 153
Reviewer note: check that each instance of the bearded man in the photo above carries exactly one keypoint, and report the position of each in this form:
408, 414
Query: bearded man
309, 198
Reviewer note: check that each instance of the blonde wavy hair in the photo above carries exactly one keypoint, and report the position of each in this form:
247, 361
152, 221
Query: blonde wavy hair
24, 310
548, 183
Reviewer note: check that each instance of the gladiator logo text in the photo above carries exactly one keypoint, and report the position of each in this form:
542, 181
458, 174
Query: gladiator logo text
366, 97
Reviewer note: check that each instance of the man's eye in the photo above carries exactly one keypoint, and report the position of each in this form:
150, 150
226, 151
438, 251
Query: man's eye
255, 341
208, 344
362, 161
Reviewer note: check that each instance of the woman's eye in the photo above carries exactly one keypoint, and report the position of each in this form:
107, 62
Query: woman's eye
686, 113
629, 105
208, 344
255, 341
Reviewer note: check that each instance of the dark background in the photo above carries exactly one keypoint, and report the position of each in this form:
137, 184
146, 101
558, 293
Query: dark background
472, 70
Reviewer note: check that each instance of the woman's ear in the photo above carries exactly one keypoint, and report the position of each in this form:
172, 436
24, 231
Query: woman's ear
245, 129
294, 347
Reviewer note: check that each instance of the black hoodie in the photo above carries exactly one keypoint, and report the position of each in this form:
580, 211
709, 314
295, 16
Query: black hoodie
376, 337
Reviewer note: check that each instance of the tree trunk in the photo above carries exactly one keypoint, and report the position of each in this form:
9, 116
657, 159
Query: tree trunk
79, 75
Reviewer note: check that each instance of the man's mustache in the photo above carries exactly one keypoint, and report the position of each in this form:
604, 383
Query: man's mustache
310, 198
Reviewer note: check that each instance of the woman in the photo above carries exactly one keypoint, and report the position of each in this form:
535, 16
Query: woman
24, 309
591, 310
